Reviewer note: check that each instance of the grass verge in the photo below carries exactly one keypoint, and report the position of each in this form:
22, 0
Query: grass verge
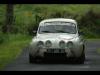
98, 50
13, 46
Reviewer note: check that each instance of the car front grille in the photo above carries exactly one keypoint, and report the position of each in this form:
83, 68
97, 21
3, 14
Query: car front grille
55, 50
55, 56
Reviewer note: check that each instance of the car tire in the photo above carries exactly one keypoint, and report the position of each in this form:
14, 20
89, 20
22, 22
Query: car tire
81, 59
31, 59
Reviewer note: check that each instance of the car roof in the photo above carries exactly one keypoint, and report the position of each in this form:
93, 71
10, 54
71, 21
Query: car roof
58, 19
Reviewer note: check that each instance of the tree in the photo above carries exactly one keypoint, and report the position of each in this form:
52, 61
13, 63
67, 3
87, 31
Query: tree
9, 19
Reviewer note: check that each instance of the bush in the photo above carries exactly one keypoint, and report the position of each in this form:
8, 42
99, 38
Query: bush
89, 24
1, 38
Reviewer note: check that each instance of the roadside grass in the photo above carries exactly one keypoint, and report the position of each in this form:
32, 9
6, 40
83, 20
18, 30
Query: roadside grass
13, 46
93, 39
98, 50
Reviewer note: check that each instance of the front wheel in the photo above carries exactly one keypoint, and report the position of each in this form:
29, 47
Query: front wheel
81, 59
31, 59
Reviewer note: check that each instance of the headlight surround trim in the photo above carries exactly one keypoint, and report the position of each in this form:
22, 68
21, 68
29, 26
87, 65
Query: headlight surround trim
48, 43
62, 44
70, 45
40, 44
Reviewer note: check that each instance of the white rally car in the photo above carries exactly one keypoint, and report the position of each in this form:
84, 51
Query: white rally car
57, 37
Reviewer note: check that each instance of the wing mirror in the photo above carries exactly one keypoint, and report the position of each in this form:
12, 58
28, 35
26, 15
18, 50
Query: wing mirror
81, 33
34, 32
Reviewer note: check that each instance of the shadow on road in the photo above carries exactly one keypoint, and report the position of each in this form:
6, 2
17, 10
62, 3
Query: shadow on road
44, 62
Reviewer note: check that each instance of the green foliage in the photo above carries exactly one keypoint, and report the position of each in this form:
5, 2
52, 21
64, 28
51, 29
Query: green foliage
3, 37
12, 48
27, 17
89, 23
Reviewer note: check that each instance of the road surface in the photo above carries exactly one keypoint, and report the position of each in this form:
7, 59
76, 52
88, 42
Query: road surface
92, 62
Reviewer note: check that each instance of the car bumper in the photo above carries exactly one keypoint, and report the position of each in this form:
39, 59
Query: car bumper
66, 53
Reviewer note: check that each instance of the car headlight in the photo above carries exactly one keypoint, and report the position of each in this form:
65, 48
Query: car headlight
48, 43
40, 44
62, 44
70, 45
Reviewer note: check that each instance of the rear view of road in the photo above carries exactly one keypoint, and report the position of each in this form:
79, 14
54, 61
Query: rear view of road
92, 62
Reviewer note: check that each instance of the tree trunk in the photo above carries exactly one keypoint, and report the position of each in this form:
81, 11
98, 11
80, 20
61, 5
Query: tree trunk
9, 19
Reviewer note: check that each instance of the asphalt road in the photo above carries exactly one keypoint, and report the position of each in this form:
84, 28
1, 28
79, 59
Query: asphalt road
92, 62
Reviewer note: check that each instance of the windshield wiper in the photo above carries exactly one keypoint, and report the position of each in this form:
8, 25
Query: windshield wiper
46, 31
61, 31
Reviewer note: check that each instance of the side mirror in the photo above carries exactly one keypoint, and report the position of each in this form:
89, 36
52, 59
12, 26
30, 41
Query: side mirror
34, 32
81, 33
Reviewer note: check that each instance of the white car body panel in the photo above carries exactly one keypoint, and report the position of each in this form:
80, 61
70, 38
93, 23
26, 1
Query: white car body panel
55, 38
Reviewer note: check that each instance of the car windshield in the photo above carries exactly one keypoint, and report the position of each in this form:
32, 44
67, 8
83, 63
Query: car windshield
63, 28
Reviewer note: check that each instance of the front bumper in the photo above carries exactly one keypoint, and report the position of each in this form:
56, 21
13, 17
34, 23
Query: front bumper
54, 56
54, 53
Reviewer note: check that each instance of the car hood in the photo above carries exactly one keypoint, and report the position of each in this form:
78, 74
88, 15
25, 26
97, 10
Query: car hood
62, 36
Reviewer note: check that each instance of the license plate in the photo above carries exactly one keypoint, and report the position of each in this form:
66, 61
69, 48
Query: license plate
55, 50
